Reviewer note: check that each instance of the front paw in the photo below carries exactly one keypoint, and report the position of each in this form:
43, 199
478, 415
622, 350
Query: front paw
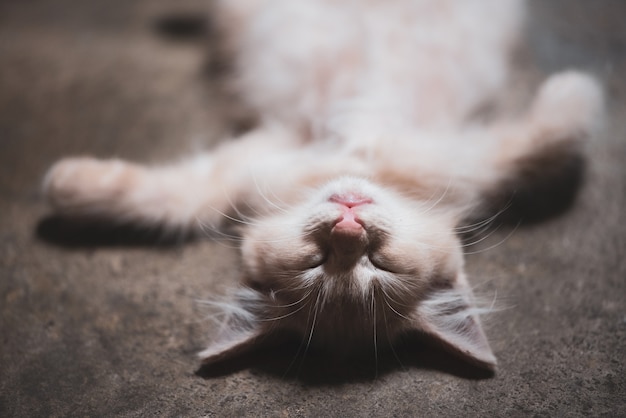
83, 183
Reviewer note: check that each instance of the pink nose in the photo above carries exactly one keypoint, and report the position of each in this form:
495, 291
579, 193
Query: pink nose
350, 200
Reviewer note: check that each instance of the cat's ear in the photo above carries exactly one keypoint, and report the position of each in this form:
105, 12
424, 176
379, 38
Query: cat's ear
450, 317
240, 332
231, 344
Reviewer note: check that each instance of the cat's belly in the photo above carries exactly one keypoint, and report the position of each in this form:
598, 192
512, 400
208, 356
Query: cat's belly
433, 61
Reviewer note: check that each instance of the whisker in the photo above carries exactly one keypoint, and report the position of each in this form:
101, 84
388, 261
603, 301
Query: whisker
496, 244
445, 192
236, 208
258, 188
313, 323
479, 240
289, 305
280, 200
308, 343
393, 351
476, 225
387, 298
217, 233
374, 321
282, 316
230, 217
309, 340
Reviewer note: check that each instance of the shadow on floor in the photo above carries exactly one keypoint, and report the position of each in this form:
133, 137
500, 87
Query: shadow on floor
91, 233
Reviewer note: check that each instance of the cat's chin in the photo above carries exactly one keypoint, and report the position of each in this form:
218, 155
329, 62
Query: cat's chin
344, 325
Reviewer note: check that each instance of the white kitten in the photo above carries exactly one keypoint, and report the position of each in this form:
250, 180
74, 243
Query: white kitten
364, 168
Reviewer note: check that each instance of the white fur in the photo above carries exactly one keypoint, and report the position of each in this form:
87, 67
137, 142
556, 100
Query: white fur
335, 64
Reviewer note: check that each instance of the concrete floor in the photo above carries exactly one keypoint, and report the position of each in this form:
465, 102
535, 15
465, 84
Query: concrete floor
96, 326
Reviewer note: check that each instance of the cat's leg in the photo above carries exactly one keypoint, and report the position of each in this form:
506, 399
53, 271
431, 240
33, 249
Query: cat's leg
536, 165
177, 196
120, 191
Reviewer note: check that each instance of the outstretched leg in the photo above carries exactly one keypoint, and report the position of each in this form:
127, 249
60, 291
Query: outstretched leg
173, 196
540, 163
526, 169
521, 169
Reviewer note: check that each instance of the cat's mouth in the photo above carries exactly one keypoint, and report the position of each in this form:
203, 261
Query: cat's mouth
348, 234
348, 224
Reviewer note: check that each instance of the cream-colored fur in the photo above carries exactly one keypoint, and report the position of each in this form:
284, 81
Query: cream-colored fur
367, 100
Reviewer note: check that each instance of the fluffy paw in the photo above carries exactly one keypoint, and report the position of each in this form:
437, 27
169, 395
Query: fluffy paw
569, 104
81, 184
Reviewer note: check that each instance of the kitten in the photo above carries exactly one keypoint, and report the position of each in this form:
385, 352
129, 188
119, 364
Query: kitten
365, 168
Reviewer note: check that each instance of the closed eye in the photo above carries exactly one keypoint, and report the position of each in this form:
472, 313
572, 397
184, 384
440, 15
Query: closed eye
381, 263
314, 260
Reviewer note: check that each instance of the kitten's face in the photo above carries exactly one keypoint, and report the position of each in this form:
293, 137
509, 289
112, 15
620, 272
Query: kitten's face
353, 267
353, 248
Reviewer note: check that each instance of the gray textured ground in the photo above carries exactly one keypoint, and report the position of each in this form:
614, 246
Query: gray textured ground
102, 330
